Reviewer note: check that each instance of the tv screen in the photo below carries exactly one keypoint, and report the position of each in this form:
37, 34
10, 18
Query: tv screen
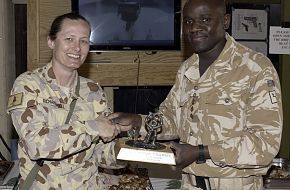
132, 24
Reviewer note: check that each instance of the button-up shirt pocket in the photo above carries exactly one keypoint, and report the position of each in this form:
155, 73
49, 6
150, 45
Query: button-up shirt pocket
225, 111
57, 117
86, 112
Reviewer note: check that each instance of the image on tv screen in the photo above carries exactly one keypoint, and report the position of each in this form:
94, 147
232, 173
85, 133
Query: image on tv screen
129, 23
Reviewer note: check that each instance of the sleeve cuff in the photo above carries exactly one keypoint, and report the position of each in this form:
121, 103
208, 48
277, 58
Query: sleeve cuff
216, 152
92, 127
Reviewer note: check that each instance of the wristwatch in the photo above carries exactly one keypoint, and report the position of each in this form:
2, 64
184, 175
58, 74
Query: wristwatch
201, 155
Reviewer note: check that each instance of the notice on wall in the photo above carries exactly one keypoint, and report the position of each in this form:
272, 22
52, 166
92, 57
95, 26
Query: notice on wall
279, 40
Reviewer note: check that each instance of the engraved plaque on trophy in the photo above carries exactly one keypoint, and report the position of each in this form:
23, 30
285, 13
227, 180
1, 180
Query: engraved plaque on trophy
147, 150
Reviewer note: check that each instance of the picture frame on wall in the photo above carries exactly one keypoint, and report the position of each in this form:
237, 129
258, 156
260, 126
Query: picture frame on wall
249, 22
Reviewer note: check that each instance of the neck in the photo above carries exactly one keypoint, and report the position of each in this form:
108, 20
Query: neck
207, 58
64, 77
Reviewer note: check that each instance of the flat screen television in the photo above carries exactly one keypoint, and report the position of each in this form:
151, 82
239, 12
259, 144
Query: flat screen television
148, 25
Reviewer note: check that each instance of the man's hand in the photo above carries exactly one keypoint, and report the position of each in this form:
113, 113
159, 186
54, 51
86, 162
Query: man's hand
107, 130
126, 121
185, 154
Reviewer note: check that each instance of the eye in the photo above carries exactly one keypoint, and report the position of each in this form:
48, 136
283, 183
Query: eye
204, 20
69, 39
187, 21
85, 42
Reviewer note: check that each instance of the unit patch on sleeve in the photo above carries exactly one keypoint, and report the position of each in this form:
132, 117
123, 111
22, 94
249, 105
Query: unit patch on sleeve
15, 100
270, 83
272, 95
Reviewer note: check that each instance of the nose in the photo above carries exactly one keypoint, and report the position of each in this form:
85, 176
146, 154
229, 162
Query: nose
193, 26
77, 46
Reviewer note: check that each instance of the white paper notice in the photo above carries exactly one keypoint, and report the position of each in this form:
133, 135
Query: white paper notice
279, 40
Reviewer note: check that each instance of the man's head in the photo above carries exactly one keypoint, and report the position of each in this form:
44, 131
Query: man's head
204, 25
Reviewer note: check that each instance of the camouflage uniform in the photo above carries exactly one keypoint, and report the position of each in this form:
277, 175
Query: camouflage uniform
235, 108
38, 107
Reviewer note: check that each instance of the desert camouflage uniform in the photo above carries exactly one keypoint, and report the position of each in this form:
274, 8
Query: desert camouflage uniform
235, 108
39, 107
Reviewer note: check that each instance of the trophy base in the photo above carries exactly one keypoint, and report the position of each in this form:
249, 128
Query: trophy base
131, 150
141, 144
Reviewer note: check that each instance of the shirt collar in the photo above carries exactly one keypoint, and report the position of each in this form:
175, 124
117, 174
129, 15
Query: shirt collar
222, 62
227, 54
51, 79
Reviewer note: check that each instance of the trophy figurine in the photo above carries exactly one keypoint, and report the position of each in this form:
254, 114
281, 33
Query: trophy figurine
153, 124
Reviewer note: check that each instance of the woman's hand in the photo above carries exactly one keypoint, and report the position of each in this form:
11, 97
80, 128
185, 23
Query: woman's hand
126, 121
107, 130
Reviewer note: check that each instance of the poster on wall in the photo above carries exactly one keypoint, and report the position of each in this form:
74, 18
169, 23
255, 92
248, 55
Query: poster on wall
279, 40
249, 24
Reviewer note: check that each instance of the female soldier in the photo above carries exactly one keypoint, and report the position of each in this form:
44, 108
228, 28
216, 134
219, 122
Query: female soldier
60, 117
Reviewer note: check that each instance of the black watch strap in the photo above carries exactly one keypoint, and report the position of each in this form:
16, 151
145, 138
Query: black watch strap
201, 154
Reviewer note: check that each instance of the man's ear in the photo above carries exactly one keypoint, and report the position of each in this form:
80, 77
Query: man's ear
227, 21
50, 43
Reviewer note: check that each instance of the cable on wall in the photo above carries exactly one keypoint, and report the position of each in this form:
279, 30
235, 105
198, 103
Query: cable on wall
138, 61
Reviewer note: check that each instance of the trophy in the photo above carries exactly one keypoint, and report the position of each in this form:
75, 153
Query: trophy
153, 124
147, 150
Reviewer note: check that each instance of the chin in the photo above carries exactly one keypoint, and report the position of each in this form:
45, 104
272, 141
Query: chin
75, 65
197, 50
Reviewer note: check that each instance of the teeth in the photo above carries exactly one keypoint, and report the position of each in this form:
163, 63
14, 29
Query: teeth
74, 56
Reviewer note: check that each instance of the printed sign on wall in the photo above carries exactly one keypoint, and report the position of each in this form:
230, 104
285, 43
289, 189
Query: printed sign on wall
279, 40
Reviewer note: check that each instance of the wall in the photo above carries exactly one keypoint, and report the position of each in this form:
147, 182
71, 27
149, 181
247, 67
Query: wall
285, 80
7, 69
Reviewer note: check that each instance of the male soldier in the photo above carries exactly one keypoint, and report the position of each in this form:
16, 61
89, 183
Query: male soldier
225, 106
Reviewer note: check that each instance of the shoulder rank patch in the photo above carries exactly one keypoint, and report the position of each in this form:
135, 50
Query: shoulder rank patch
15, 100
270, 83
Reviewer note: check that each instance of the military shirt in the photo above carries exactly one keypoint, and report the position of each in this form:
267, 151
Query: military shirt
73, 151
234, 108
